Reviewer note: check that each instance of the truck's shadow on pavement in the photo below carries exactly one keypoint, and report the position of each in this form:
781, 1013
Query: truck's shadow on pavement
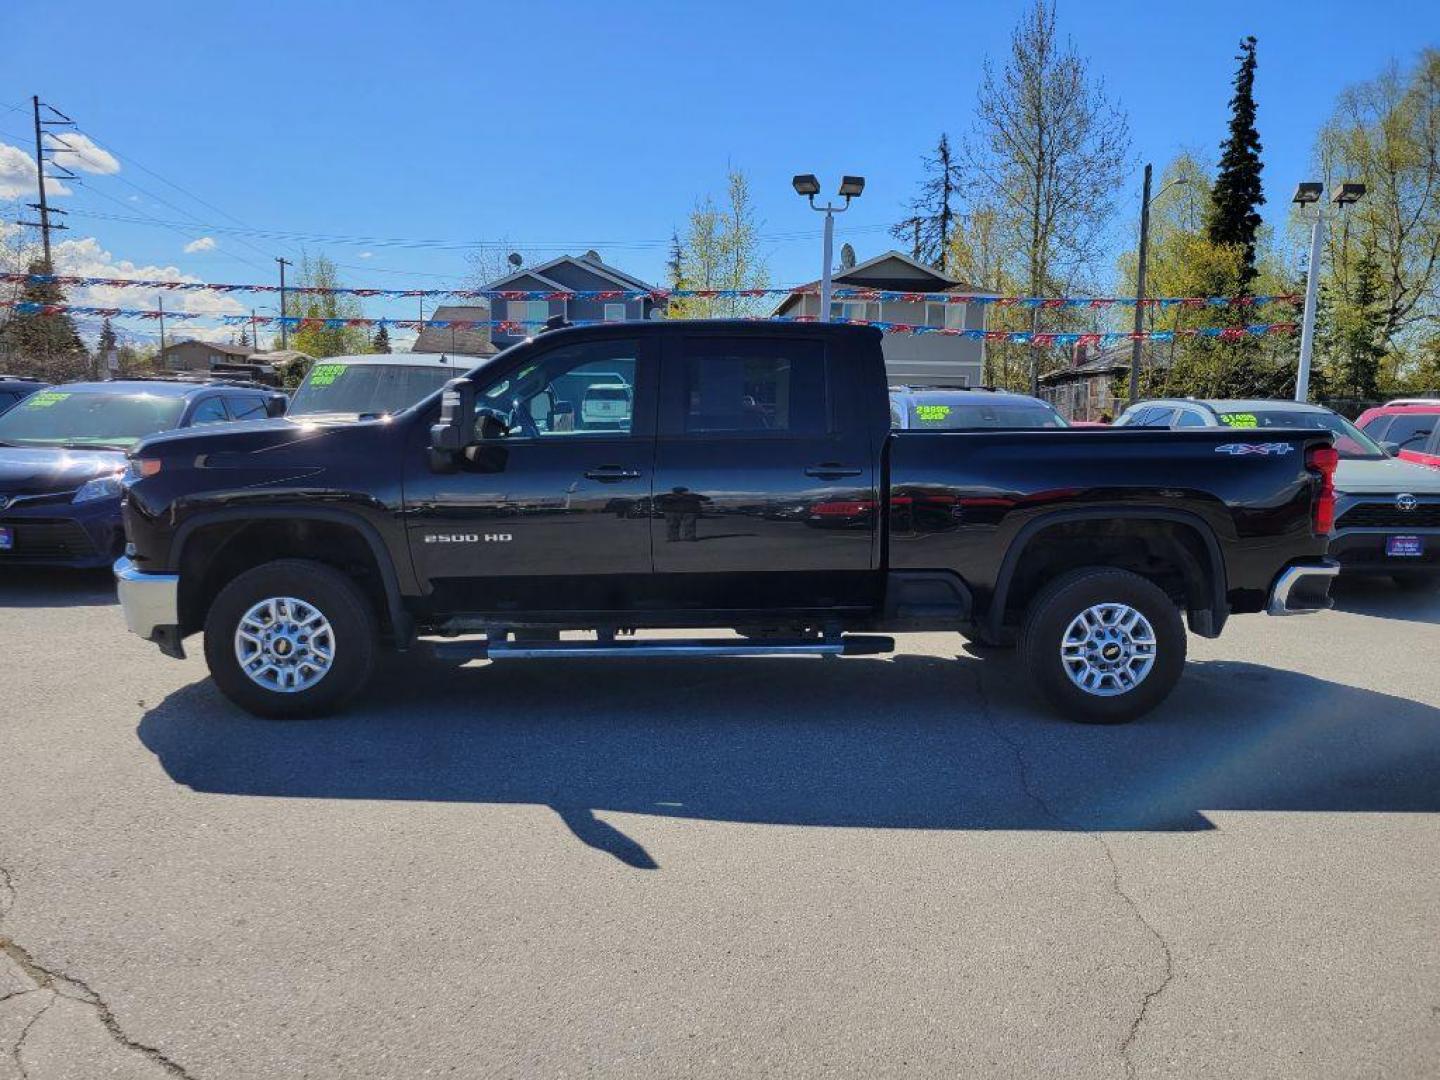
39, 586
912, 742
1380, 598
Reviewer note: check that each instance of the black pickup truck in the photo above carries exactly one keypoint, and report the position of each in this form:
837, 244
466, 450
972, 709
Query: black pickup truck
709, 475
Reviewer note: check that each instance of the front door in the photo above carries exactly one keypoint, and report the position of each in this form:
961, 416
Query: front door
549, 511
765, 488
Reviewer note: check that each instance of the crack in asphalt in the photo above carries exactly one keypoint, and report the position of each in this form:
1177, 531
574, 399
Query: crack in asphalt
60, 985
1116, 887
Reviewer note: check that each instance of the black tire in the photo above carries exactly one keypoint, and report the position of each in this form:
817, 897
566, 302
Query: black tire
1049, 617
337, 597
1415, 582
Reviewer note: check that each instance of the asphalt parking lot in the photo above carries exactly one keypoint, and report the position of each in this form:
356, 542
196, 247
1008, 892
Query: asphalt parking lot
859, 868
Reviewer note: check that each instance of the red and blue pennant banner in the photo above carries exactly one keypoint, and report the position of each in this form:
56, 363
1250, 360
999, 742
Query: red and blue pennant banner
518, 328
661, 295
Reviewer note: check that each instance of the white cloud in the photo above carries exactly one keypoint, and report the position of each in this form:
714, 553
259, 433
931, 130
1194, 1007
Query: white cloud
17, 175
367, 254
86, 258
80, 154
205, 243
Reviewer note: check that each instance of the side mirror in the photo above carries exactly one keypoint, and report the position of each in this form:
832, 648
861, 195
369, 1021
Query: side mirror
456, 426
1391, 448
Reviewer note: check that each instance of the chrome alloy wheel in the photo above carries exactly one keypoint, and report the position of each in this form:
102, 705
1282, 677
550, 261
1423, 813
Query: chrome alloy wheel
284, 644
1108, 649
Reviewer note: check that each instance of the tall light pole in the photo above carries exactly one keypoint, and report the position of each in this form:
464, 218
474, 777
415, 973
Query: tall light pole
1145, 201
851, 187
1306, 194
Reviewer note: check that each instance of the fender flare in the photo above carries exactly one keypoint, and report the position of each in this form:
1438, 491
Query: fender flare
400, 619
1219, 610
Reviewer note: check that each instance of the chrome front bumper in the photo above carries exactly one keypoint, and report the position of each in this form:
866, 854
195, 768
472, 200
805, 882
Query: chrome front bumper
1301, 589
151, 602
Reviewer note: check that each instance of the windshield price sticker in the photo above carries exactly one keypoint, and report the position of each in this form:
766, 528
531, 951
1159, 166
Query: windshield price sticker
931, 414
1239, 419
325, 374
44, 399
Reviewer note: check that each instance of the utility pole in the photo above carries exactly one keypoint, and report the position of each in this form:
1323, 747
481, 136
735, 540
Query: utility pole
160, 300
254, 331
284, 329
1140, 291
43, 206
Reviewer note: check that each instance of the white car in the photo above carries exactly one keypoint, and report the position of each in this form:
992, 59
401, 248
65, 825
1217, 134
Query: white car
1387, 511
374, 384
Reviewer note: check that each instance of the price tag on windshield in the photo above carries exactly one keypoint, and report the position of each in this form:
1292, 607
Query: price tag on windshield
931, 414
1239, 419
325, 374
43, 400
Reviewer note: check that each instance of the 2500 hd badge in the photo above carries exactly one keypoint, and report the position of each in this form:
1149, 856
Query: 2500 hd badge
468, 538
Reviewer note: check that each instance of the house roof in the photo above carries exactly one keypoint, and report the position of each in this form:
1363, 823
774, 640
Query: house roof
213, 346
861, 276
595, 266
466, 342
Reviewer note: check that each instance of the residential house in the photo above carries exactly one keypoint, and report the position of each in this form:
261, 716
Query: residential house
450, 339
569, 273
1085, 390
928, 359
193, 355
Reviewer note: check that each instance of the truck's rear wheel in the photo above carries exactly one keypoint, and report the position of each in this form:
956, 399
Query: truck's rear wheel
1104, 646
290, 638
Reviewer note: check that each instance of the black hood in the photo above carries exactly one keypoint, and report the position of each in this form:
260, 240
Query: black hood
45, 470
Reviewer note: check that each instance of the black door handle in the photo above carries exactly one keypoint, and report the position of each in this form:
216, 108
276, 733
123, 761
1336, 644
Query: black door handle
830, 470
612, 474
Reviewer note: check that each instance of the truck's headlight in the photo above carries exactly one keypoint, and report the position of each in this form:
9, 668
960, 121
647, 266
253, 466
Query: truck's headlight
102, 487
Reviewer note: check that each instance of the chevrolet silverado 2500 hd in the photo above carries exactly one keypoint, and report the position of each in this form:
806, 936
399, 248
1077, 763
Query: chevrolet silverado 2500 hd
740, 476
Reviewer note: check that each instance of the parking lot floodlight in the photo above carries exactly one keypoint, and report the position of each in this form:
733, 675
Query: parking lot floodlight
1307, 193
806, 185
1349, 193
852, 186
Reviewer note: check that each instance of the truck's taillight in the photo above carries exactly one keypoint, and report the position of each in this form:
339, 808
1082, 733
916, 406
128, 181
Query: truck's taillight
1323, 459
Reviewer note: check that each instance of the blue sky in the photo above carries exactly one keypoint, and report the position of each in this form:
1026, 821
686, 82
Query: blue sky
561, 126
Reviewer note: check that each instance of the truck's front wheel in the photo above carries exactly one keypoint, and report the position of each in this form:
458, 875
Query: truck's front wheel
1104, 646
290, 638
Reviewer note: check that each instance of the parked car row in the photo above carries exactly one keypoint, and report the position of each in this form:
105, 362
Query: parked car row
1387, 508
63, 447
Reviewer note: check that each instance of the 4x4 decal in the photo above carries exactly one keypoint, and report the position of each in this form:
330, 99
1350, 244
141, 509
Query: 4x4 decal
1238, 449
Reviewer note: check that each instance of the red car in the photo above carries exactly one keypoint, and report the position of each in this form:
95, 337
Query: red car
1409, 427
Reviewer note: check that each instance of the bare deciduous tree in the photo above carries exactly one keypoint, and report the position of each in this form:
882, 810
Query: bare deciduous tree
1049, 151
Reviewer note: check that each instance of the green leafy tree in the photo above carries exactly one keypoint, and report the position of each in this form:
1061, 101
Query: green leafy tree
319, 271
1237, 194
720, 250
1353, 334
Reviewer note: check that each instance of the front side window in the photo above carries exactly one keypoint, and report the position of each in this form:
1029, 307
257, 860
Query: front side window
755, 386
586, 389
247, 408
1411, 431
1189, 419
76, 419
210, 411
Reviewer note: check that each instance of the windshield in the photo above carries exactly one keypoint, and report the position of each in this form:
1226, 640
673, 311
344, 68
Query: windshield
956, 416
1353, 444
367, 388
67, 418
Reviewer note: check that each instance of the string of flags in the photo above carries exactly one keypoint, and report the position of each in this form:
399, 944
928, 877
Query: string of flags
659, 295
522, 327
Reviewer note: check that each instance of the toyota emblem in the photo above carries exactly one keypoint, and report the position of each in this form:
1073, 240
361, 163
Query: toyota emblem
1406, 502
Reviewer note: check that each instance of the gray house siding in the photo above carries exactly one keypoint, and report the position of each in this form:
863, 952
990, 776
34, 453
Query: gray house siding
570, 275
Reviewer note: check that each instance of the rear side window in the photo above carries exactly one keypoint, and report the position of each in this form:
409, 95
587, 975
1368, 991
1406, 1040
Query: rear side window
246, 408
1412, 431
1189, 419
755, 386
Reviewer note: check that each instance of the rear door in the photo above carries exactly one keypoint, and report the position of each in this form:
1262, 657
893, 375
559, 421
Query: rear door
765, 484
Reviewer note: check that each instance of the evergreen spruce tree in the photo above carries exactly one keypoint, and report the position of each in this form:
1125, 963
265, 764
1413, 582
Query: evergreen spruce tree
930, 226
45, 345
1237, 194
380, 343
